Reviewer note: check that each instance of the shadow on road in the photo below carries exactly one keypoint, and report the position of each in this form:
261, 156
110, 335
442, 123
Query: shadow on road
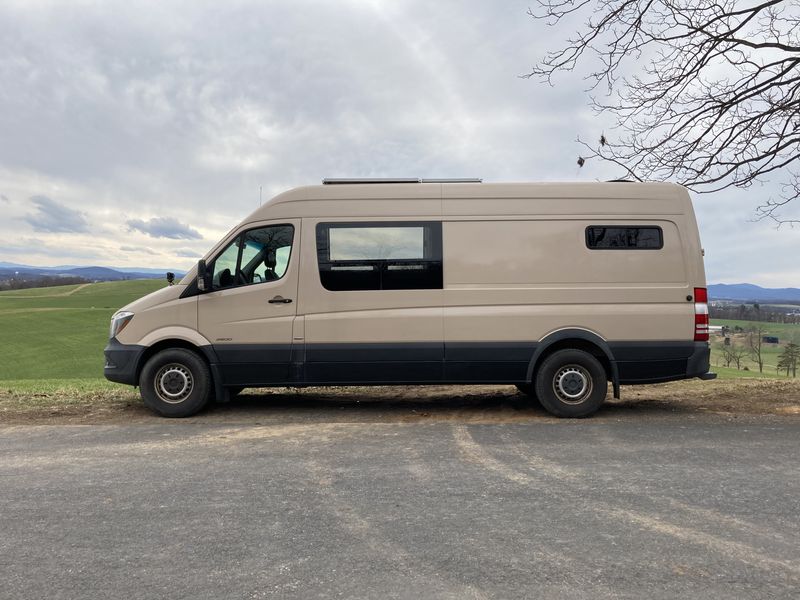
479, 404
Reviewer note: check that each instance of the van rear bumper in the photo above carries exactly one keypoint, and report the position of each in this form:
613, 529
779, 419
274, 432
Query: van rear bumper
121, 362
699, 362
657, 362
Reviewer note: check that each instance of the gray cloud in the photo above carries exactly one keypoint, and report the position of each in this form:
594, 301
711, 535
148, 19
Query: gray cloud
36, 251
28, 245
202, 105
183, 253
4, 198
52, 217
164, 227
137, 249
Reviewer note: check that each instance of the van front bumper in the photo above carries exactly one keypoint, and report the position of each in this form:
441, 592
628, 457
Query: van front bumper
122, 361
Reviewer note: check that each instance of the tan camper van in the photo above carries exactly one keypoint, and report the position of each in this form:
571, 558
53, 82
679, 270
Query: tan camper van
558, 288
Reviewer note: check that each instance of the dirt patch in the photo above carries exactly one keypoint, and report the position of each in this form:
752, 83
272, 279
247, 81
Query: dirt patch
724, 396
72, 411
405, 404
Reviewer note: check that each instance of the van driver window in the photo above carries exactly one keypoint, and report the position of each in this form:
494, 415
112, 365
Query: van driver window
255, 256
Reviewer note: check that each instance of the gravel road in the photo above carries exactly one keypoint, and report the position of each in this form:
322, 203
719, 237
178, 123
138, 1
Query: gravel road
353, 502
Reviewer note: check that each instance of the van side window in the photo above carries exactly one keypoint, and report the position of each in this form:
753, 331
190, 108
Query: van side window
620, 237
255, 256
380, 255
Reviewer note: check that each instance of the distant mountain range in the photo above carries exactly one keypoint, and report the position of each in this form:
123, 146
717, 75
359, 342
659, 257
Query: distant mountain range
747, 292
9, 270
741, 292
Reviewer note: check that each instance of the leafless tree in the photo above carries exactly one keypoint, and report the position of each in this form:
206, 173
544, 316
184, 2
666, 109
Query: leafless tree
733, 353
724, 354
704, 92
755, 342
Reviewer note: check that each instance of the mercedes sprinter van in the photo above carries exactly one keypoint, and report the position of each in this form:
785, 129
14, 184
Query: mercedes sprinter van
557, 288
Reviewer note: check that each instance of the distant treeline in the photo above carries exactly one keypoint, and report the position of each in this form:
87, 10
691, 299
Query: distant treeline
19, 283
754, 312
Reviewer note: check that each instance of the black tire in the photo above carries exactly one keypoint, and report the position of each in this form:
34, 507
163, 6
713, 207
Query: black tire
175, 383
571, 383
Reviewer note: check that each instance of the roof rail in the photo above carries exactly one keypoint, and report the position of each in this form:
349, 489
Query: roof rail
335, 181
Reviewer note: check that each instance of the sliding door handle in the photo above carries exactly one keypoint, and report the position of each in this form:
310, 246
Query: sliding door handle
280, 300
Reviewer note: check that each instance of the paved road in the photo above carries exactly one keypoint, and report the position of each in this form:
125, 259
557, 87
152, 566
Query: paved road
614, 507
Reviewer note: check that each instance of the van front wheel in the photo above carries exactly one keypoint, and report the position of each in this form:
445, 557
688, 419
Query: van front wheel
571, 383
175, 383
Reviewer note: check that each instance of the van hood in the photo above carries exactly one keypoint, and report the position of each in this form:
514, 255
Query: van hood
152, 299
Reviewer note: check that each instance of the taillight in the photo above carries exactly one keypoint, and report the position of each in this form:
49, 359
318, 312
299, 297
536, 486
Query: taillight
700, 315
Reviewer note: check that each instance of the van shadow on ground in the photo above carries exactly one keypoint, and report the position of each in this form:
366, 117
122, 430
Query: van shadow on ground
483, 404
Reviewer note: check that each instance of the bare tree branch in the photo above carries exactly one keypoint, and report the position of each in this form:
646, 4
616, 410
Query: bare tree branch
704, 92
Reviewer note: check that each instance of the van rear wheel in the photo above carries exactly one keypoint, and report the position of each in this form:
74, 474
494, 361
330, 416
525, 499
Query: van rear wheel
571, 383
175, 383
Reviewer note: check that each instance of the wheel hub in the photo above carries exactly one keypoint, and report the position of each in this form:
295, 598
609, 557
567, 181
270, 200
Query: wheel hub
572, 384
174, 383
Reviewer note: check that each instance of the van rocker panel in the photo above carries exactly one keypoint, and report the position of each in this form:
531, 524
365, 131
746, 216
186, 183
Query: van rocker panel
432, 362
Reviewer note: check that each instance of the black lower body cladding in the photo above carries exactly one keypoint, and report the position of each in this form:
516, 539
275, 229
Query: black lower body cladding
401, 363
655, 362
122, 361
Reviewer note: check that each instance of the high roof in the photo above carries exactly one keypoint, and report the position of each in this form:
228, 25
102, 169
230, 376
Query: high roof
426, 190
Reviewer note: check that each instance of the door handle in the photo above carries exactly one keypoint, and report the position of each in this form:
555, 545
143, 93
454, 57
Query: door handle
280, 300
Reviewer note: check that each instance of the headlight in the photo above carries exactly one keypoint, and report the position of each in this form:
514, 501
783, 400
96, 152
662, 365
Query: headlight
119, 321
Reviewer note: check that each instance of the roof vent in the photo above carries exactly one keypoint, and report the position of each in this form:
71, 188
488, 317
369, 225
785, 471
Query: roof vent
455, 180
398, 180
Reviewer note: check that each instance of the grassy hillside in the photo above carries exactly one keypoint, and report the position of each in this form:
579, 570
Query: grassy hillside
60, 332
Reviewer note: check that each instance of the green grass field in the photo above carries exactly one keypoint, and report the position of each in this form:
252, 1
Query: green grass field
59, 332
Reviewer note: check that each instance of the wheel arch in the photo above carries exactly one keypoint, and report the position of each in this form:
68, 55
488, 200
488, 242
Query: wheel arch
205, 352
579, 339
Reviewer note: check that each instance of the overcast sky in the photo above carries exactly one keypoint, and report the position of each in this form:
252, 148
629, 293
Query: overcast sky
137, 134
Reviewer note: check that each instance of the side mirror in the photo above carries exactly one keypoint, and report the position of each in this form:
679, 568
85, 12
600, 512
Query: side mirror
203, 277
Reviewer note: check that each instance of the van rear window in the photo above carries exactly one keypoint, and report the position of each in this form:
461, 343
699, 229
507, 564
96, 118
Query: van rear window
621, 237
380, 255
